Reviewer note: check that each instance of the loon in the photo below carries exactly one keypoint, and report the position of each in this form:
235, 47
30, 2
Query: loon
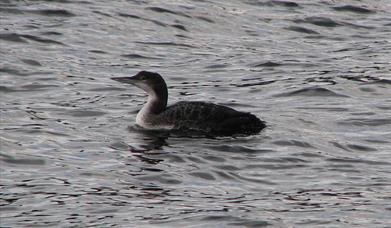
187, 116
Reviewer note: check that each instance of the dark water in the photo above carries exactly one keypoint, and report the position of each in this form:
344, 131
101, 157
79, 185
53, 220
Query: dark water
318, 72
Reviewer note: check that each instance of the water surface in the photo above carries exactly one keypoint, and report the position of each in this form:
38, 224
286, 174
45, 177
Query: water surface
318, 72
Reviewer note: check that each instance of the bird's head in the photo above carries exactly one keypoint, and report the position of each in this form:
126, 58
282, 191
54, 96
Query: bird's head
148, 81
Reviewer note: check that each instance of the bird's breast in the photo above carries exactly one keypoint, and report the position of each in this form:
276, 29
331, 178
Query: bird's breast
148, 120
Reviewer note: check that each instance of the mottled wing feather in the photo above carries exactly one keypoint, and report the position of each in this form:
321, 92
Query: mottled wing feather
211, 118
198, 112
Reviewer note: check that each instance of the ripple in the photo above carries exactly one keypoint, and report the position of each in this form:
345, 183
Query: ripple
286, 160
213, 158
164, 179
54, 12
310, 155
250, 223
311, 92
302, 30
266, 64
52, 33
103, 89
365, 122
354, 147
227, 167
205, 19
361, 148
41, 40
353, 160
368, 79
14, 37
10, 10
40, 131
203, 175
6, 89
254, 83
180, 27
331, 109
129, 15
284, 3
34, 87
236, 149
12, 71
137, 56
163, 10
217, 66
382, 81
353, 9
142, 18
21, 161
253, 180
319, 21
358, 26
293, 143
85, 113
31, 62
166, 44
274, 3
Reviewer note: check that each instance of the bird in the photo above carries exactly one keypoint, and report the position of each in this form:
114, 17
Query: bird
187, 116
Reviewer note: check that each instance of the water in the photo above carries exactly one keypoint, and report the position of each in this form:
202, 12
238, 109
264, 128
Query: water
318, 72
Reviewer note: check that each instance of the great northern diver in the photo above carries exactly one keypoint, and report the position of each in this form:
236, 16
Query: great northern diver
187, 116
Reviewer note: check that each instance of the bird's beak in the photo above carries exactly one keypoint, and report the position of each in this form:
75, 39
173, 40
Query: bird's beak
126, 80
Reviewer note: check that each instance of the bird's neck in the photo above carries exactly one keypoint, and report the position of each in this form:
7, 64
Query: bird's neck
157, 101
155, 104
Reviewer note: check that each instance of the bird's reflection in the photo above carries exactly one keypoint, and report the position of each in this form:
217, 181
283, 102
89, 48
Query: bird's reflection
147, 144
151, 141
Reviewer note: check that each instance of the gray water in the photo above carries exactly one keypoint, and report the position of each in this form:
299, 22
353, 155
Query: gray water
318, 72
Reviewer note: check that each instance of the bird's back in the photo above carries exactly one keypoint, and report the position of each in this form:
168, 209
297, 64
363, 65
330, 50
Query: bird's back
210, 119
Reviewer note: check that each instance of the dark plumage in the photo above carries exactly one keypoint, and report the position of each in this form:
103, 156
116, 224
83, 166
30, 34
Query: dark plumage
201, 117
211, 118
